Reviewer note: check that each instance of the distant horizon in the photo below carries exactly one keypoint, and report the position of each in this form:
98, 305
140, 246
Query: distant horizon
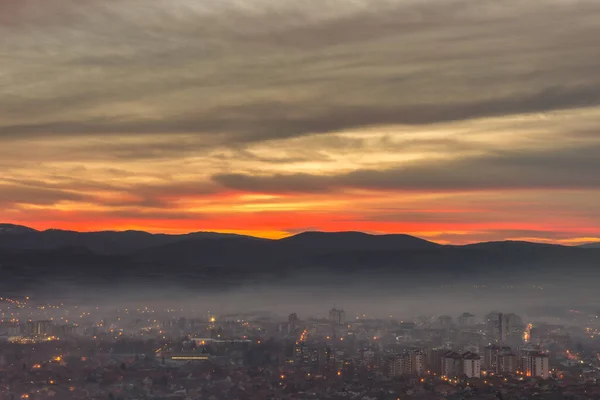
233, 232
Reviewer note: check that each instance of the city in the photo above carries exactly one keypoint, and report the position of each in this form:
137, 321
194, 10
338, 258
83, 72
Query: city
61, 350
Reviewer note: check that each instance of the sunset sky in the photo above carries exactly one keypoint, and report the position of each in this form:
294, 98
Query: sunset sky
453, 120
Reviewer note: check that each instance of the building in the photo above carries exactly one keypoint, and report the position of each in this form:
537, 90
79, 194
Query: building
39, 328
506, 362
471, 364
434, 360
337, 317
418, 363
452, 364
490, 354
536, 365
534, 335
466, 319
503, 327
69, 329
10, 329
491, 321
399, 364
292, 325
293, 319
407, 363
445, 321
327, 359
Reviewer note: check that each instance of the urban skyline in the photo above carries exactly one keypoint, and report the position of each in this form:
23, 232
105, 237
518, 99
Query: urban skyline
90, 349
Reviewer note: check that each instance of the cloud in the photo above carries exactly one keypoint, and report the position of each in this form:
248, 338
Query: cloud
283, 70
574, 168
11, 194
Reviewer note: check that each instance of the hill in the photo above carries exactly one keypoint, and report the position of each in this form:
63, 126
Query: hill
28, 256
591, 245
104, 242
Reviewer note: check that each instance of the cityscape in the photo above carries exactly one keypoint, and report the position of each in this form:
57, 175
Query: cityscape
61, 350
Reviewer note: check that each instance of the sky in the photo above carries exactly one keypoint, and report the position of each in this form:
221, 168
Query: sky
453, 120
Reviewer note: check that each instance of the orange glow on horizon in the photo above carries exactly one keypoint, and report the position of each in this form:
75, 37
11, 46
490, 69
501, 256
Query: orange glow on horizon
445, 218
276, 225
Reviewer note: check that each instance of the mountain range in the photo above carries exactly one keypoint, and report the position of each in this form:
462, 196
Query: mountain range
28, 255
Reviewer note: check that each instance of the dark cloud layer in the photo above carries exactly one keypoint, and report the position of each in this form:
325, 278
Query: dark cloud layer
259, 122
575, 168
259, 70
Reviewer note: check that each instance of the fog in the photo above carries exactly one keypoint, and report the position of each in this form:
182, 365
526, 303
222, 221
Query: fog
312, 295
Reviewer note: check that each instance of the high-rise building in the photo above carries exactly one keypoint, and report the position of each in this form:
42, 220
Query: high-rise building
536, 365
337, 317
407, 363
445, 321
503, 327
434, 360
69, 329
466, 319
490, 357
508, 326
182, 324
534, 335
301, 352
292, 318
39, 328
326, 359
491, 321
506, 363
418, 363
10, 328
451, 364
471, 364
292, 323
399, 364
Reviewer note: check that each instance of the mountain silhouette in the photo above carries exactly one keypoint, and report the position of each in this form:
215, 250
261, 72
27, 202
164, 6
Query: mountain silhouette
28, 255
591, 245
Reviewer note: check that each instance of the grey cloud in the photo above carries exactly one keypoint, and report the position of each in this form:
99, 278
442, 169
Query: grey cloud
275, 183
17, 193
484, 216
237, 74
557, 169
146, 196
260, 122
